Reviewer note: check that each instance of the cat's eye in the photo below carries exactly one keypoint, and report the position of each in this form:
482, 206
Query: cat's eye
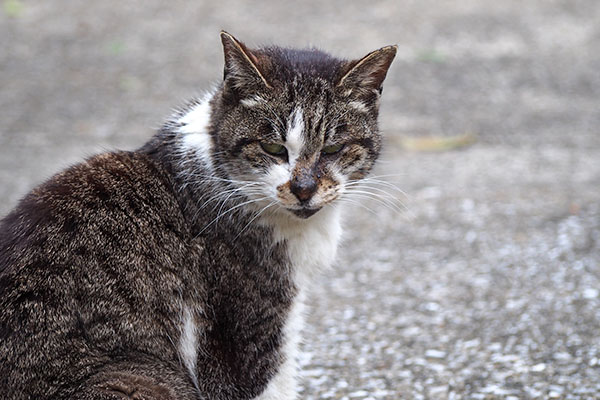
273, 148
332, 149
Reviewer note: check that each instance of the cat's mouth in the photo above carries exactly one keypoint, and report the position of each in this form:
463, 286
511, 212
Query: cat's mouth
305, 212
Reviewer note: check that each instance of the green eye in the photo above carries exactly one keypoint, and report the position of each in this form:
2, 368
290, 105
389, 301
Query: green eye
332, 149
273, 148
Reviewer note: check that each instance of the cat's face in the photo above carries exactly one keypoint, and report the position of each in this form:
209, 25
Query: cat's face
296, 127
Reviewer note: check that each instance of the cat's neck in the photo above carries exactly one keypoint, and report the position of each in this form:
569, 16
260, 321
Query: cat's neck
311, 243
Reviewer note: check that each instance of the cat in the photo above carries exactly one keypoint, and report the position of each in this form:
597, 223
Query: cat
179, 270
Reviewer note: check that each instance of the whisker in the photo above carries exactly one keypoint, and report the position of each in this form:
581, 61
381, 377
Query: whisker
377, 181
356, 203
220, 215
385, 193
380, 199
382, 186
255, 216
231, 192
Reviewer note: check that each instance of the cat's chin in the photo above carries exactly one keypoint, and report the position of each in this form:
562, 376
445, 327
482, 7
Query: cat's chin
305, 213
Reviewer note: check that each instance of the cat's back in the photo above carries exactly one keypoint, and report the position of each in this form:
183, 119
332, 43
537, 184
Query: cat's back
87, 262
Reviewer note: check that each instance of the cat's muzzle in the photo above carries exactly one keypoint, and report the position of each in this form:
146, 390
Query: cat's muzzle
305, 212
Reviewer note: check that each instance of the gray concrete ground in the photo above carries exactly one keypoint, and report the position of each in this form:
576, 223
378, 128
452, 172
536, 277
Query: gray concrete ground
488, 287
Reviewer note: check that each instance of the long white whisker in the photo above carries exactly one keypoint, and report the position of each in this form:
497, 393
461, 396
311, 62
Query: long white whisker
374, 186
376, 197
385, 195
357, 203
377, 182
231, 192
224, 202
220, 215
255, 216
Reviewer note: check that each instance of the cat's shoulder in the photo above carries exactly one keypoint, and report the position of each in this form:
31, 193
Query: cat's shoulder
106, 176
114, 181
109, 198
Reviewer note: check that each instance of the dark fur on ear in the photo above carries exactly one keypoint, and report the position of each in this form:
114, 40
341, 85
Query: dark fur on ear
366, 75
244, 71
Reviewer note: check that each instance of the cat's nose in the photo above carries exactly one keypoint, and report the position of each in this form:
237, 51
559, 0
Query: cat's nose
303, 187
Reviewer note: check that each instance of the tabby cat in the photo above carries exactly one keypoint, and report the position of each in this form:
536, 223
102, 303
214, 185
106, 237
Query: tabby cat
178, 271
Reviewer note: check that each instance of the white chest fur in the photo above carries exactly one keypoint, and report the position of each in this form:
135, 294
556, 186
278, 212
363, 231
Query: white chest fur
311, 246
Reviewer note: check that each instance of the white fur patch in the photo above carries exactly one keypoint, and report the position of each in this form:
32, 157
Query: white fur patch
195, 130
359, 106
188, 343
252, 101
284, 385
312, 246
294, 140
311, 243
278, 174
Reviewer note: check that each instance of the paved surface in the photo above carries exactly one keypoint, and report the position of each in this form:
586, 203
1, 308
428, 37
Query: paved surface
488, 287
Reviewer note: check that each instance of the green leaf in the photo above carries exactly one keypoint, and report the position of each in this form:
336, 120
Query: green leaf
13, 8
432, 56
115, 47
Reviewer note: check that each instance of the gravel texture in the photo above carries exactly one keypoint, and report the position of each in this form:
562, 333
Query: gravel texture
486, 284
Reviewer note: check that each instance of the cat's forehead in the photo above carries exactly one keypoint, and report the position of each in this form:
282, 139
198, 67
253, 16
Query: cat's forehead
303, 95
314, 96
302, 112
294, 66
299, 79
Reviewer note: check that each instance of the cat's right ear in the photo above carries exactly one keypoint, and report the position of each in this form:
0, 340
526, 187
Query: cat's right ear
244, 70
365, 76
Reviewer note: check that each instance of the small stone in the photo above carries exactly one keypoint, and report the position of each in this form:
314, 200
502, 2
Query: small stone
342, 384
555, 391
562, 356
436, 391
436, 354
471, 343
358, 393
538, 367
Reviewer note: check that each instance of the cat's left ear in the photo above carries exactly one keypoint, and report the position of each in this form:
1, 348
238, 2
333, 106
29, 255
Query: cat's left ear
367, 74
244, 70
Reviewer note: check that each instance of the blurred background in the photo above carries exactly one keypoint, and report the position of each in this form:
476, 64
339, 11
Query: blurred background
486, 285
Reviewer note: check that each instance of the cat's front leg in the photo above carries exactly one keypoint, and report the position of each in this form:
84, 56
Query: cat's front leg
284, 385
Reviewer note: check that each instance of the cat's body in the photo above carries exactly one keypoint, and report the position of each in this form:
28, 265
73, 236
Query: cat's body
178, 271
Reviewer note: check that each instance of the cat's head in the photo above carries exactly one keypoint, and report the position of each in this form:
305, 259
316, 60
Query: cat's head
293, 127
